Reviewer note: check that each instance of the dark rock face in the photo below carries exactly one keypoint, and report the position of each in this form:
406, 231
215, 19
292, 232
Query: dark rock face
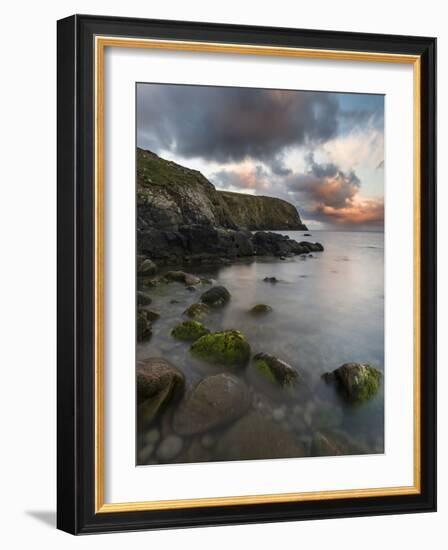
215, 401
182, 217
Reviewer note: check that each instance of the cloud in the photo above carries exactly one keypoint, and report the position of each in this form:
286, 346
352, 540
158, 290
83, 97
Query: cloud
325, 193
246, 177
232, 124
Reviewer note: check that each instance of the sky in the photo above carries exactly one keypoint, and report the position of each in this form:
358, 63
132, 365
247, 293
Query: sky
321, 151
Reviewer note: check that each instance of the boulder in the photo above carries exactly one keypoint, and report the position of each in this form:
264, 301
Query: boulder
215, 401
270, 280
143, 299
181, 277
216, 296
158, 383
145, 266
169, 448
189, 331
275, 370
255, 436
229, 348
359, 381
197, 311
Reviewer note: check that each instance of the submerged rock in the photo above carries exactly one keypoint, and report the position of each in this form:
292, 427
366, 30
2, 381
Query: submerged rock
169, 448
335, 443
216, 296
260, 309
197, 311
254, 436
228, 347
158, 383
270, 280
144, 325
215, 401
275, 370
359, 381
189, 331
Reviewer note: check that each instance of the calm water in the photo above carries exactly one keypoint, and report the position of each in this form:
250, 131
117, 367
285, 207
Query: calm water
327, 310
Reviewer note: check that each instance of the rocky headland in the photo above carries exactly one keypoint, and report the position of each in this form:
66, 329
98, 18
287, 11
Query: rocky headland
182, 217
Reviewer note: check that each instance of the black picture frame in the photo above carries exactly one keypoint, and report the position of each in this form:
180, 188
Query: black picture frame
76, 270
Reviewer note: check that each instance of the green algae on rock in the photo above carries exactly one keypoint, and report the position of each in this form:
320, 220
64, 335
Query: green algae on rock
360, 381
228, 347
197, 311
189, 331
275, 370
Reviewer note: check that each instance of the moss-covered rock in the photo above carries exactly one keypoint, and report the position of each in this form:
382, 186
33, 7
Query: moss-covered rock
197, 311
359, 381
189, 331
143, 299
144, 326
275, 370
229, 348
216, 296
260, 309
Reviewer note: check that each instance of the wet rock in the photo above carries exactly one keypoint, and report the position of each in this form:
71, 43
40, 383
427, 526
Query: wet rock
191, 288
216, 296
270, 280
143, 299
181, 277
335, 443
144, 326
152, 436
260, 309
229, 348
151, 315
279, 414
145, 266
189, 331
169, 448
146, 453
255, 436
215, 401
307, 234
275, 370
197, 311
359, 381
158, 383
311, 247
208, 441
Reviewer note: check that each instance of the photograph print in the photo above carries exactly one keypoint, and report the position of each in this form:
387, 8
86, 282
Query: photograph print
259, 274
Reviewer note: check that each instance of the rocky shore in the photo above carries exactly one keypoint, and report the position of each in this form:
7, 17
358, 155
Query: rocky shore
182, 218
222, 416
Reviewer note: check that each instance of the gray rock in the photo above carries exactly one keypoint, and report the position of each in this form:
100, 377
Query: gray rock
152, 436
215, 401
169, 448
146, 453
279, 414
143, 299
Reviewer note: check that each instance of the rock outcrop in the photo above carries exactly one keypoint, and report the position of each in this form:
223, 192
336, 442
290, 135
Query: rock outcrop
182, 217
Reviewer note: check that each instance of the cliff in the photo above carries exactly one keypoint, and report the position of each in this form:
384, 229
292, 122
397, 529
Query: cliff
262, 213
170, 195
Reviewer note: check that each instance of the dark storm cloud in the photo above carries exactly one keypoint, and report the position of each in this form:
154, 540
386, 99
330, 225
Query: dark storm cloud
231, 124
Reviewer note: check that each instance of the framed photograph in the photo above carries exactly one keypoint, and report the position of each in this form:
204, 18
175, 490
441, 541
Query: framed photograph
246, 274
